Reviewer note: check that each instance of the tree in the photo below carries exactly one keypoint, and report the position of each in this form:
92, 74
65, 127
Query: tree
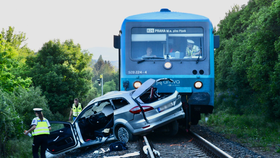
63, 73
116, 79
246, 64
264, 71
11, 68
99, 63
15, 40
109, 86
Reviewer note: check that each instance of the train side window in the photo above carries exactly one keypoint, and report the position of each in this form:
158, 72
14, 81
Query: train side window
119, 102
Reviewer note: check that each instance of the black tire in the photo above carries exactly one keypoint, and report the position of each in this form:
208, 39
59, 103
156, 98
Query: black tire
173, 127
124, 135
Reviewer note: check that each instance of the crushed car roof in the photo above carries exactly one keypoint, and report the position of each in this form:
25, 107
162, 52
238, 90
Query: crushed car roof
136, 93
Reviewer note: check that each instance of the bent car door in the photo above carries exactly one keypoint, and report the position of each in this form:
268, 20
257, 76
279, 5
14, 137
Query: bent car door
62, 137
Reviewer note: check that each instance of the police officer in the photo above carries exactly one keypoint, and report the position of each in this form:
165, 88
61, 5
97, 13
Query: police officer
41, 129
192, 50
76, 109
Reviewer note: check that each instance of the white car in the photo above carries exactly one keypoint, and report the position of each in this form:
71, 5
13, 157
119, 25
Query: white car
117, 115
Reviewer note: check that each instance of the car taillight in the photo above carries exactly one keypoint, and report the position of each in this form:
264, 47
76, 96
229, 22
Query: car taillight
137, 110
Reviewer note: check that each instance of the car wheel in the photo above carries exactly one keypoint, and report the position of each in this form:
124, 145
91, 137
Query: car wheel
124, 135
174, 127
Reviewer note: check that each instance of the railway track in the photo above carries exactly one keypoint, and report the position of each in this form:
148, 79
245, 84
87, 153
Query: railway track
154, 146
208, 147
158, 145
197, 146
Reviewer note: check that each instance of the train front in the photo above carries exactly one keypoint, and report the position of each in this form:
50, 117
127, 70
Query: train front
174, 45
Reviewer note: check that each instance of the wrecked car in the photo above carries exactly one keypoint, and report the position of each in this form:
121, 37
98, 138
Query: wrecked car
117, 115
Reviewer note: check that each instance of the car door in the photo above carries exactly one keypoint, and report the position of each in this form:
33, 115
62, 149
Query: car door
62, 137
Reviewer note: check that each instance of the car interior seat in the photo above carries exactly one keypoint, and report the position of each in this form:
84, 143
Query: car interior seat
108, 111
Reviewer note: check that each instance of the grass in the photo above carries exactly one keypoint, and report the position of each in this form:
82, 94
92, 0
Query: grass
252, 130
21, 147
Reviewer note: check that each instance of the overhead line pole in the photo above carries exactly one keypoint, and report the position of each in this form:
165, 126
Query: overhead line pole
101, 76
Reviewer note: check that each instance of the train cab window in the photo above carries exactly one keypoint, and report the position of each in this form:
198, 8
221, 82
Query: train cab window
167, 43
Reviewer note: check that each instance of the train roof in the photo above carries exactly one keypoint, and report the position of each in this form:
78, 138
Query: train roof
166, 15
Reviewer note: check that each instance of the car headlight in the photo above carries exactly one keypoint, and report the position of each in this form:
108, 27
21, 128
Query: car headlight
198, 84
137, 84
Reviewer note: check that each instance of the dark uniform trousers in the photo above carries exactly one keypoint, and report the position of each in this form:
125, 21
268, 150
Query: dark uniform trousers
40, 140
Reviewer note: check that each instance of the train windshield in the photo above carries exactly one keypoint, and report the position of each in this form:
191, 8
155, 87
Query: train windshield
167, 43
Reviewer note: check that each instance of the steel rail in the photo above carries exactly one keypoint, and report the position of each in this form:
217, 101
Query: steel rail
212, 148
151, 153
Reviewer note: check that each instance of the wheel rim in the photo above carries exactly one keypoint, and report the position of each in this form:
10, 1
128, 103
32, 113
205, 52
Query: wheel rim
123, 134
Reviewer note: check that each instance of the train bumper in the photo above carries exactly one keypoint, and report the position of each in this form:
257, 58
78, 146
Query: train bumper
199, 98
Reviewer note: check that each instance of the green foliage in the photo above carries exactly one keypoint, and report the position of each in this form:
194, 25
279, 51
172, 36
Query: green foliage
21, 147
247, 63
25, 100
105, 68
11, 68
63, 73
100, 62
116, 80
93, 93
16, 40
16, 115
275, 82
109, 86
231, 24
253, 130
10, 122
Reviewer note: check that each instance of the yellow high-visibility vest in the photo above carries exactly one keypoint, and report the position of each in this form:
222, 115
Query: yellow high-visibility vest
189, 52
77, 110
41, 128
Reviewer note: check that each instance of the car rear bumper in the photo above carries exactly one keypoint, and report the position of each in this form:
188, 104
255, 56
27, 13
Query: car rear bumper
144, 127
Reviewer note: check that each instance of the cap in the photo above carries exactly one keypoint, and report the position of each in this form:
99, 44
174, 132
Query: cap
37, 109
190, 41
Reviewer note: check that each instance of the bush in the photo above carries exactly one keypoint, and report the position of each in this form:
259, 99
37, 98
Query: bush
16, 114
238, 103
93, 93
255, 130
10, 123
21, 147
25, 100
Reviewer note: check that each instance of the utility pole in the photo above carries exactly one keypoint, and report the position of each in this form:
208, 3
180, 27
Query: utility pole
101, 77
100, 83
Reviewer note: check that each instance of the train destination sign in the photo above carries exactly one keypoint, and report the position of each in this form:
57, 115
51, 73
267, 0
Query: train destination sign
166, 30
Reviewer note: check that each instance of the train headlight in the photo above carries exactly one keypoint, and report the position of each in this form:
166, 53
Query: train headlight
167, 65
198, 84
137, 84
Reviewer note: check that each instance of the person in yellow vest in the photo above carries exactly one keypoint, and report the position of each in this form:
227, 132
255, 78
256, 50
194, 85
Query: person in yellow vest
192, 50
40, 128
76, 109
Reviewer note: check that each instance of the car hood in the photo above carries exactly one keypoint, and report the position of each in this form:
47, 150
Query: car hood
143, 88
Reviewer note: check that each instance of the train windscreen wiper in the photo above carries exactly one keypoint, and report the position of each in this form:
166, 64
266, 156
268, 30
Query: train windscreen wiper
145, 58
197, 59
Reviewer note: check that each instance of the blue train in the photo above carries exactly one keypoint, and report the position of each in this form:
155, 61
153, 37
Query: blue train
174, 45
